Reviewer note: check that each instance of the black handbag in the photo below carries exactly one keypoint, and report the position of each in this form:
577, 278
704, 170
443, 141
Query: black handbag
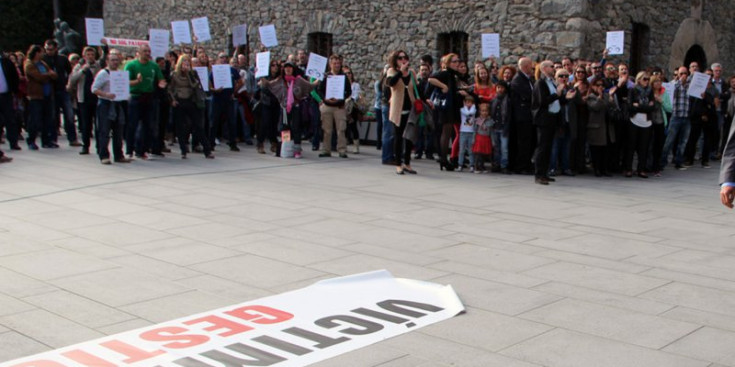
200, 97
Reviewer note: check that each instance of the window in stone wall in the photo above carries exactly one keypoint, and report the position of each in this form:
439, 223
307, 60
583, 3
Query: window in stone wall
640, 43
320, 43
453, 42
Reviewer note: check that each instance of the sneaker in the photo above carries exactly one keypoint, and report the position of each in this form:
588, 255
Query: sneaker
297, 155
325, 154
105, 161
209, 156
472, 169
687, 164
680, 167
462, 168
32, 146
552, 173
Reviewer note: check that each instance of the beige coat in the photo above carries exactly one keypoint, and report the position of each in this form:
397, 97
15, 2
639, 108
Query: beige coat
396, 96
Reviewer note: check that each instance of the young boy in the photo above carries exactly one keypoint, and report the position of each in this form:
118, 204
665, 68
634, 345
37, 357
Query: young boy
500, 113
467, 132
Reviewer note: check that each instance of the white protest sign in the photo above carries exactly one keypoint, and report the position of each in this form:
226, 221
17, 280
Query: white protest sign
335, 87
698, 84
615, 42
490, 45
317, 66
158, 41
239, 35
297, 328
262, 64
222, 76
120, 85
201, 29
268, 36
203, 73
95, 30
669, 88
181, 32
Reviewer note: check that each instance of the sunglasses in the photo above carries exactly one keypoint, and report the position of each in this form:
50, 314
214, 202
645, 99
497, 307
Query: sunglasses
597, 67
645, 79
403, 57
563, 76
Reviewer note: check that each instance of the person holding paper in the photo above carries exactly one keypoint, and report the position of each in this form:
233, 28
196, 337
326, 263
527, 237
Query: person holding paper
703, 115
269, 109
223, 105
679, 126
661, 108
639, 125
110, 113
182, 90
62, 100
82, 77
40, 96
290, 90
333, 110
144, 75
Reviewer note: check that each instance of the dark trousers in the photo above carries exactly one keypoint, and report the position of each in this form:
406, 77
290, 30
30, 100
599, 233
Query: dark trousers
141, 134
638, 141
294, 123
41, 121
402, 147
525, 145
698, 128
62, 102
268, 127
188, 118
223, 117
87, 113
105, 125
659, 137
379, 124
7, 119
598, 153
545, 135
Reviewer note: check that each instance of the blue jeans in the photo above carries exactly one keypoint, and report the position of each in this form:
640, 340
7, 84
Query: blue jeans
560, 151
500, 149
466, 139
41, 121
388, 136
679, 128
105, 125
62, 100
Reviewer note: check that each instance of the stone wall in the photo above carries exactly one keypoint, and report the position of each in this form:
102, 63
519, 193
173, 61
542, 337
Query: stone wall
366, 31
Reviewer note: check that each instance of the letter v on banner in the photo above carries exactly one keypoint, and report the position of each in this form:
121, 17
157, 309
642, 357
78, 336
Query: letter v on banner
297, 328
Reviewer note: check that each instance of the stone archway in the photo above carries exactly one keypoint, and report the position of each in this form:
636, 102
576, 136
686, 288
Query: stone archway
696, 53
694, 31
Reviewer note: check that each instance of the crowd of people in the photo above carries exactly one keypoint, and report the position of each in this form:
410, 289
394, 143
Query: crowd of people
546, 119
552, 118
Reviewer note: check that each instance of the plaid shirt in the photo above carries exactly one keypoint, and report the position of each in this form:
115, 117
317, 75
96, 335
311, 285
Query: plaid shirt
681, 99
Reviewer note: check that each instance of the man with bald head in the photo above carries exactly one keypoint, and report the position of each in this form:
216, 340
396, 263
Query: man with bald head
547, 103
145, 75
523, 142
680, 124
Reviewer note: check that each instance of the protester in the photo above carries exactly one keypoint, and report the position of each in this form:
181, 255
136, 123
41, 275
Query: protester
184, 92
40, 96
82, 77
144, 75
402, 82
61, 99
110, 114
333, 110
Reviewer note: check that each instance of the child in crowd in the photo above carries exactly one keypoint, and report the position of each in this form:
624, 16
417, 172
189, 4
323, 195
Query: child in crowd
467, 132
500, 113
483, 146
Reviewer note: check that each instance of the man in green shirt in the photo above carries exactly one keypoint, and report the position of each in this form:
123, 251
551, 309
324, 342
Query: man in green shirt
144, 76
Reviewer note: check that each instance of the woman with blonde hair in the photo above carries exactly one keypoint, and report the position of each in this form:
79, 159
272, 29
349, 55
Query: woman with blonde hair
183, 90
641, 105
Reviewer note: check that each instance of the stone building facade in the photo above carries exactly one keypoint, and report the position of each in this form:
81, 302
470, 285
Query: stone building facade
662, 33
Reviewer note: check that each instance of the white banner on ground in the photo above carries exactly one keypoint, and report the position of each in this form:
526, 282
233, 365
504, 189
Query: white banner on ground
317, 66
615, 42
95, 30
297, 328
201, 29
239, 35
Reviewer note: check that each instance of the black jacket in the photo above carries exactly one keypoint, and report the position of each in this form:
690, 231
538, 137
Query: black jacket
542, 99
11, 74
521, 95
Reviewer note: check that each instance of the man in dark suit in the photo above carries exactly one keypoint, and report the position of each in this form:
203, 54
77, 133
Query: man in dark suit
727, 172
521, 88
546, 105
8, 86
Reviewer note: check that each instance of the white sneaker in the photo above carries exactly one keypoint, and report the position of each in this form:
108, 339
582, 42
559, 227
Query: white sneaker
105, 161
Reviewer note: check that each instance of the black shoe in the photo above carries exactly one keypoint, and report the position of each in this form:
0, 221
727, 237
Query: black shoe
549, 179
447, 166
248, 142
389, 163
84, 152
343, 155
541, 181
234, 148
15, 147
325, 154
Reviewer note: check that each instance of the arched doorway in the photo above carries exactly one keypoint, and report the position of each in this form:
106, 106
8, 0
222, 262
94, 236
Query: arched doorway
696, 53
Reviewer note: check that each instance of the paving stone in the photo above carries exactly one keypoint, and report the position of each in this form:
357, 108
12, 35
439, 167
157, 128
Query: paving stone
78, 309
48, 328
604, 246
604, 298
696, 297
175, 306
19, 286
152, 267
612, 323
293, 251
705, 318
566, 348
16, 345
256, 271
482, 272
596, 278
53, 264
359, 263
491, 258
707, 344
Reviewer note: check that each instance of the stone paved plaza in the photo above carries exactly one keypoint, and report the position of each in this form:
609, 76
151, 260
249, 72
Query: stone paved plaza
586, 272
